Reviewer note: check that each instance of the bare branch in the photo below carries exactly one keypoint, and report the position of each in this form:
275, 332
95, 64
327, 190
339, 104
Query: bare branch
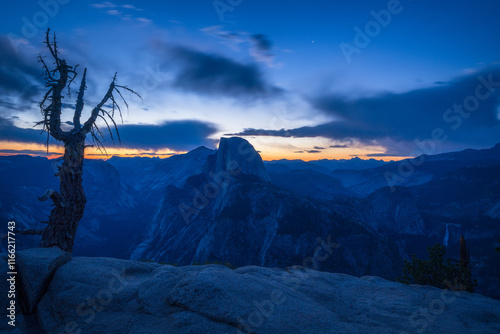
96, 140
52, 113
90, 122
98, 131
107, 125
123, 99
130, 90
79, 102
25, 232
52, 51
46, 195
30, 232
46, 69
45, 98
118, 107
116, 128
72, 79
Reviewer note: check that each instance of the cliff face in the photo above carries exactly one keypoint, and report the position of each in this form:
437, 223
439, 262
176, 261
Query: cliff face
104, 295
232, 213
237, 156
395, 212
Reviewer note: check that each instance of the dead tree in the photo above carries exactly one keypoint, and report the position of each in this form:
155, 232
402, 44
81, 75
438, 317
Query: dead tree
69, 203
465, 266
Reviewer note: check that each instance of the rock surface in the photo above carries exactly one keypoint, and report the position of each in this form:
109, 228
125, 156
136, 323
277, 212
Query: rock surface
237, 156
394, 211
102, 295
35, 267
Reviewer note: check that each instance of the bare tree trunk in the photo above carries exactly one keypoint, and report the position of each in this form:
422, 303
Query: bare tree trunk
70, 203
465, 266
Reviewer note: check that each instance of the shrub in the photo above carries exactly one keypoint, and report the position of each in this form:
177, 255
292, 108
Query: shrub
438, 272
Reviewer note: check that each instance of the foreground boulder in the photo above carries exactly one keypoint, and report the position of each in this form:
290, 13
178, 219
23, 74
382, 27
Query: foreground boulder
101, 295
36, 266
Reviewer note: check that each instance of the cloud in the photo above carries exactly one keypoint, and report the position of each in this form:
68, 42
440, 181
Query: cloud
177, 135
126, 13
272, 133
318, 148
261, 49
260, 46
372, 155
313, 151
213, 74
10, 132
132, 7
231, 39
144, 20
395, 121
105, 4
17, 75
114, 12
339, 146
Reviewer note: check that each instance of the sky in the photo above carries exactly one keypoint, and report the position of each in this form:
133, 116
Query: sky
299, 80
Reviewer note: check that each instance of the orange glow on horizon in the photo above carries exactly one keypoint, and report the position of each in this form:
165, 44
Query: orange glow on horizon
267, 153
307, 149
325, 155
55, 151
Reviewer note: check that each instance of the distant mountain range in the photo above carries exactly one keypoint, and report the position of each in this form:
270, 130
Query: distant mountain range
227, 205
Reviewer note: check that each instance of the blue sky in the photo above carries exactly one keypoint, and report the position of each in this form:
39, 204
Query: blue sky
277, 73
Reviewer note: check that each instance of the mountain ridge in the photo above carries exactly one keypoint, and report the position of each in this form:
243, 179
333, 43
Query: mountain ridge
267, 223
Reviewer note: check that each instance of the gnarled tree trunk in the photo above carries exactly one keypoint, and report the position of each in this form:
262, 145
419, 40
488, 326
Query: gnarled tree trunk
70, 201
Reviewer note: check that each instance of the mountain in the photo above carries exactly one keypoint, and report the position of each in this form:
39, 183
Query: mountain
306, 182
461, 202
395, 212
353, 163
152, 176
233, 213
415, 171
314, 178
464, 202
227, 205
236, 157
328, 165
112, 213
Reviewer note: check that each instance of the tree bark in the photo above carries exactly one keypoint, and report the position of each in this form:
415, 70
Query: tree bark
70, 202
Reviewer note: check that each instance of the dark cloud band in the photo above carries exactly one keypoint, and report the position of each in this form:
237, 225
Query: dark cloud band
464, 110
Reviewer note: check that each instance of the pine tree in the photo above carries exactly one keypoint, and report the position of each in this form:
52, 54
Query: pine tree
438, 272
